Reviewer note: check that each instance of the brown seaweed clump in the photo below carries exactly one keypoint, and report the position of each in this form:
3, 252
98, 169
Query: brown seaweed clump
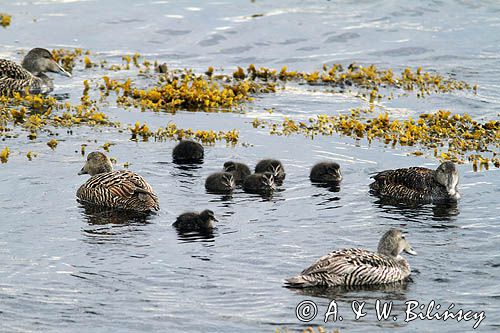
452, 137
171, 131
5, 19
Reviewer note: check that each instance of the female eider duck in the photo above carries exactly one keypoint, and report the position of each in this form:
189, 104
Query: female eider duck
120, 189
30, 74
195, 221
356, 267
417, 184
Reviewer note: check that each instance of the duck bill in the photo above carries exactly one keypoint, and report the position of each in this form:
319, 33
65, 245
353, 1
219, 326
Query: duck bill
82, 172
408, 249
61, 70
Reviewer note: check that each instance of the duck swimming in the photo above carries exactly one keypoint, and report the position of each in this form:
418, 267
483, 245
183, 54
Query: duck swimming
355, 267
417, 184
220, 182
188, 151
259, 183
115, 189
239, 170
326, 172
30, 74
195, 221
273, 166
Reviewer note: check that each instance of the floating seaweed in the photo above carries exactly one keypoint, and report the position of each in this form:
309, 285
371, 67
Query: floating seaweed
5, 19
459, 135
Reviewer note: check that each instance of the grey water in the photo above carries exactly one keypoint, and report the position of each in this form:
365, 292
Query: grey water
64, 268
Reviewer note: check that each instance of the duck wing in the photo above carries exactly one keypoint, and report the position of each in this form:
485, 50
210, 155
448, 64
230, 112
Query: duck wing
9, 69
400, 181
349, 267
120, 189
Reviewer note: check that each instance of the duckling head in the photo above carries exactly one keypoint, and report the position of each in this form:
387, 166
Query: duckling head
40, 60
447, 175
333, 171
208, 217
96, 163
276, 168
229, 166
267, 180
228, 180
393, 242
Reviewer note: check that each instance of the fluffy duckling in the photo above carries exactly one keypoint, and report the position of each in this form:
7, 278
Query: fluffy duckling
355, 267
259, 183
188, 151
115, 189
273, 166
220, 182
239, 170
326, 172
195, 221
30, 74
417, 184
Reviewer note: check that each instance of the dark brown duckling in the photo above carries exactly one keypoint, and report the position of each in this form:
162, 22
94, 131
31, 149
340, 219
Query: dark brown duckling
195, 221
259, 183
220, 182
273, 166
239, 170
326, 172
188, 151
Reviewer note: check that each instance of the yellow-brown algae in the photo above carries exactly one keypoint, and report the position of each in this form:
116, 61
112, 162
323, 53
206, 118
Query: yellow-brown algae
458, 135
4, 155
5, 19
52, 144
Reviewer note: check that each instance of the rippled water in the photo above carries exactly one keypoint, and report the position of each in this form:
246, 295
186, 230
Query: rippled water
63, 268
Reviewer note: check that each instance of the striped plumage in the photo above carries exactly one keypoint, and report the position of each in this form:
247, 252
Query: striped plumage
351, 267
115, 189
418, 184
273, 166
30, 74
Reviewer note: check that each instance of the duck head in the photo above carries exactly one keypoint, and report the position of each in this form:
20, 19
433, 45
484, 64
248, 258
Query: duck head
393, 242
208, 217
447, 175
40, 60
96, 163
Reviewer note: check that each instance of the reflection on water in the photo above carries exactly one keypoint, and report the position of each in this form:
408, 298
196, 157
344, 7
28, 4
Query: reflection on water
194, 236
442, 212
392, 291
98, 215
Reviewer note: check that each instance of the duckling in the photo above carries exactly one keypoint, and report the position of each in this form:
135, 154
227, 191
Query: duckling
273, 166
115, 189
259, 183
355, 267
239, 170
195, 221
30, 74
326, 172
417, 184
220, 182
188, 151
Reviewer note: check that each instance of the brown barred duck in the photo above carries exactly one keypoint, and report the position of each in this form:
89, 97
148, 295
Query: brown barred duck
188, 151
195, 221
357, 267
115, 189
417, 184
220, 182
326, 172
30, 74
239, 170
259, 183
273, 166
